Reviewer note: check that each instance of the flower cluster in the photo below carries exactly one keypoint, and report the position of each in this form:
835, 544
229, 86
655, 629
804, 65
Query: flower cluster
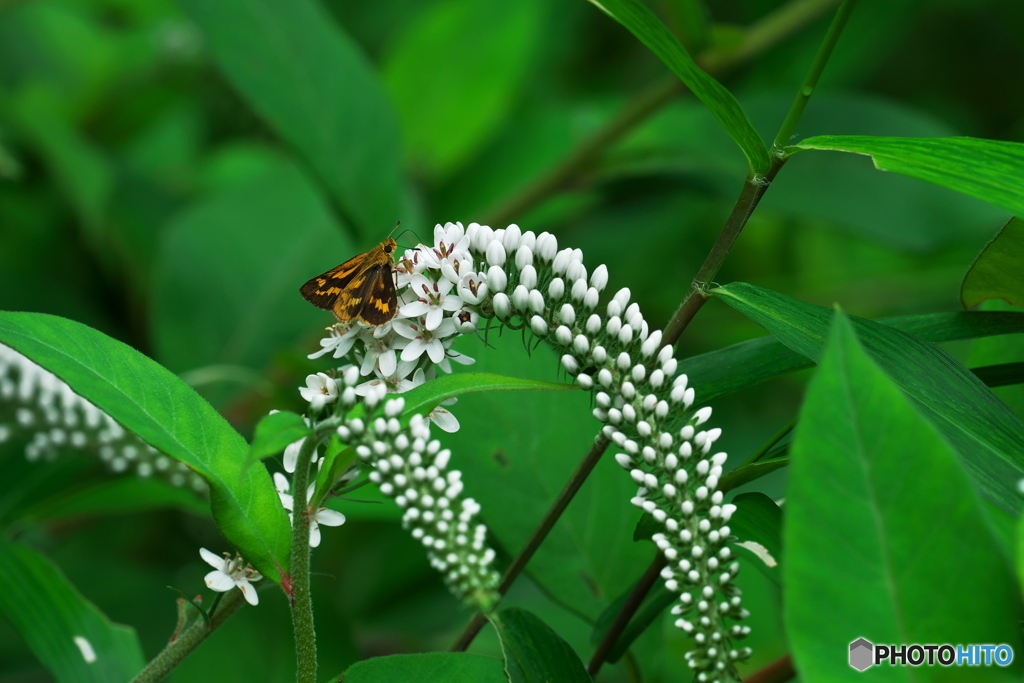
36, 400
524, 281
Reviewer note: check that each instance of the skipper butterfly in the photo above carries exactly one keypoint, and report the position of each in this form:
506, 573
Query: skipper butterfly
362, 288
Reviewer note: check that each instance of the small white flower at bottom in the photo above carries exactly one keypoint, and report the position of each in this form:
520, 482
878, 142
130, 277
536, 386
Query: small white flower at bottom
228, 574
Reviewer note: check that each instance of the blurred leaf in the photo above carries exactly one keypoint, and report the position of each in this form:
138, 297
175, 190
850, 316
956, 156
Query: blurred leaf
759, 520
881, 519
226, 289
1001, 375
985, 432
124, 495
274, 432
996, 273
423, 399
643, 24
77, 165
148, 400
429, 667
313, 85
67, 633
534, 653
517, 450
447, 102
987, 169
721, 372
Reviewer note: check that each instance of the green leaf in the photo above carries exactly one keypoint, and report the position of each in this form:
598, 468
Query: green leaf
226, 290
67, 633
983, 430
424, 398
534, 653
312, 84
996, 273
448, 104
164, 412
429, 667
759, 520
517, 473
724, 371
274, 432
987, 169
122, 496
1001, 375
643, 24
881, 519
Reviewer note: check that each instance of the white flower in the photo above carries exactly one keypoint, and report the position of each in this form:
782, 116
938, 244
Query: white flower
291, 454
324, 516
424, 340
444, 420
228, 574
338, 341
320, 390
434, 298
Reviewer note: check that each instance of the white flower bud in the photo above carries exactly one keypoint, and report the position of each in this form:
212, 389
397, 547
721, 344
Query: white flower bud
580, 344
584, 380
599, 278
702, 415
623, 361
688, 397
593, 323
520, 298
569, 363
537, 324
536, 301
510, 240
670, 366
614, 309
657, 378
502, 306
638, 373
629, 412
604, 377
578, 291
482, 238
625, 462
394, 407
628, 392
576, 271
622, 296
547, 245
591, 298
652, 344
497, 279
599, 355
563, 335
528, 277
561, 262
626, 334
613, 326
495, 253
661, 411
556, 289
567, 314
603, 400
528, 240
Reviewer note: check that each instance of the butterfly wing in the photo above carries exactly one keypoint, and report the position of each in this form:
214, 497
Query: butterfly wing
323, 290
381, 303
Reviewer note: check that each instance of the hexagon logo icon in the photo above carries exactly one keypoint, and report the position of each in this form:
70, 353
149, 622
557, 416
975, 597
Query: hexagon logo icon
861, 654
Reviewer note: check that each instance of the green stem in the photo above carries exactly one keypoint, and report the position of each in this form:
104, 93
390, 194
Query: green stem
766, 33
629, 608
590, 460
767, 445
301, 601
189, 639
803, 95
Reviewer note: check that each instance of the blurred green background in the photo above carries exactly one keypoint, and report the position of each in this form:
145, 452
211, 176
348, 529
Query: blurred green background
171, 173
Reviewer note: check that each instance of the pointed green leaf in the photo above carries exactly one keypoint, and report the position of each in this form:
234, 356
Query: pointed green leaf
425, 397
643, 24
997, 272
983, 430
67, 633
885, 537
990, 170
429, 667
274, 432
724, 371
313, 85
534, 653
167, 414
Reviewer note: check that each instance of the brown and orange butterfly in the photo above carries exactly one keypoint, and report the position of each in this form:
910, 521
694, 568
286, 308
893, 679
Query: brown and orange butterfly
362, 288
